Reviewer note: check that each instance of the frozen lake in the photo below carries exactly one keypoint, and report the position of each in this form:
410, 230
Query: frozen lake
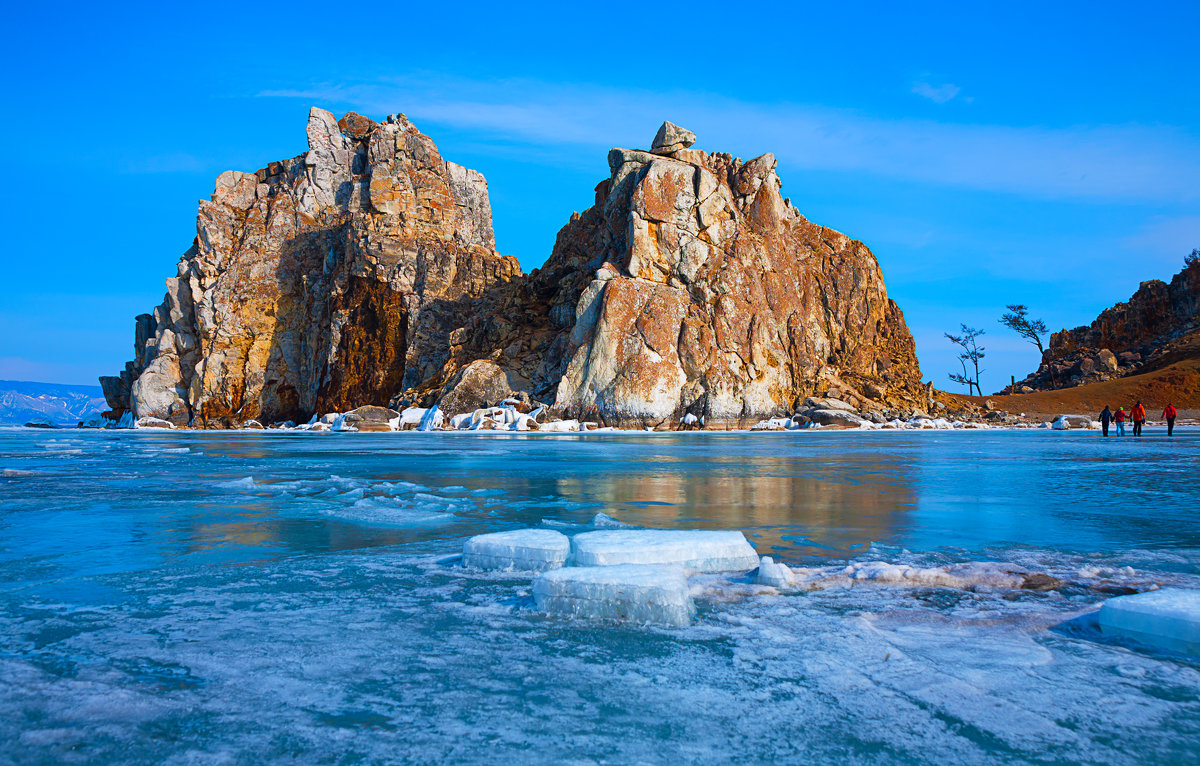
241, 598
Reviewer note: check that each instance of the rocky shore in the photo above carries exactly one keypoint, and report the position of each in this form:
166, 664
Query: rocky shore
364, 273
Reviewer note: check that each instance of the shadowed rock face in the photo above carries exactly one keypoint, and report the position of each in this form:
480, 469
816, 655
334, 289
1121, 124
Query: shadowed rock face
367, 268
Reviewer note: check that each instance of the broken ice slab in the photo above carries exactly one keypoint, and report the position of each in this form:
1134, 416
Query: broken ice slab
773, 573
697, 550
629, 593
523, 549
1164, 619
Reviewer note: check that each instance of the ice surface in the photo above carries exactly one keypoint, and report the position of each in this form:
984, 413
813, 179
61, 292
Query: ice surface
1166, 619
701, 551
629, 593
526, 549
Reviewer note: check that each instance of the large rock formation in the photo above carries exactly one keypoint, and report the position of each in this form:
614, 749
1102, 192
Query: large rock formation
1158, 326
367, 268
317, 283
692, 286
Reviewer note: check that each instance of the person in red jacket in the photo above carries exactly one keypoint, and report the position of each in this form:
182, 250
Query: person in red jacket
1119, 419
1169, 415
1138, 416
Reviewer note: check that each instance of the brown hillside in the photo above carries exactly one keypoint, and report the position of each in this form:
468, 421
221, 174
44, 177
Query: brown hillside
1177, 384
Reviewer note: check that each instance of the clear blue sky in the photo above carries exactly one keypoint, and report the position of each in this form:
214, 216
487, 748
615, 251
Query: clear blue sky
1043, 153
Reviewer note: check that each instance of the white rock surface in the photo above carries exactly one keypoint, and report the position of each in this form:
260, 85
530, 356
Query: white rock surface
697, 550
524, 549
1166, 619
630, 593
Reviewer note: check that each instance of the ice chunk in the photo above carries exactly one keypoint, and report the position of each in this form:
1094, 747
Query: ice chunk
526, 549
431, 419
1166, 619
630, 593
774, 574
701, 551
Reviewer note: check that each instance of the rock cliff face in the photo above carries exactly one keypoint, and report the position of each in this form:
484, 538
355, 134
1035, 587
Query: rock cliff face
1159, 325
692, 286
317, 283
367, 268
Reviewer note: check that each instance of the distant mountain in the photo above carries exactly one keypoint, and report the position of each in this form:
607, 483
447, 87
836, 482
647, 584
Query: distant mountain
22, 401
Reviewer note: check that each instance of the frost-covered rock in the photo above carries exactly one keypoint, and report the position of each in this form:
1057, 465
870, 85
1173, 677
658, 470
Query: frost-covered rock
149, 422
525, 549
630, 593
96, 420
1066, 422
697, 550
340, 423
411, 417
432, 419
840, 418
773, 424
1165, 619
560, 426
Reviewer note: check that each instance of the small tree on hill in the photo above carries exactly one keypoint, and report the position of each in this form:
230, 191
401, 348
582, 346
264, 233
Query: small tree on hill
1017, 319
972, 353
1192, 258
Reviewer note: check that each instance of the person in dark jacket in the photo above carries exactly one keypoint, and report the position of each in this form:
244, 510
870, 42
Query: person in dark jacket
1105, 418
1119, 419
1169, 415
1138, 416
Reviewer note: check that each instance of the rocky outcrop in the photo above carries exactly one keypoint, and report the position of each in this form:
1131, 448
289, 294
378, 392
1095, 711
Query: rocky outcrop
1158, 326
367, 268
693, 286
318, 283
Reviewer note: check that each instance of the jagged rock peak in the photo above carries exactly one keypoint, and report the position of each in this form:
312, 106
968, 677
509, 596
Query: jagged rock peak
671, 138
322, 282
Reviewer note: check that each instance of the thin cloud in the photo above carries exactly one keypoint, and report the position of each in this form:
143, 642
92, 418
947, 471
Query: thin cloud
938, 94
1108, 163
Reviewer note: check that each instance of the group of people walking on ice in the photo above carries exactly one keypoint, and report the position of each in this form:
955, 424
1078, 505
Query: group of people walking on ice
1138, 416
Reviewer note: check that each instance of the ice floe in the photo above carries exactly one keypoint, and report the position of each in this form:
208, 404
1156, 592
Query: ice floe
520, 549
697, 550
634, 593
1164, 619
969, 576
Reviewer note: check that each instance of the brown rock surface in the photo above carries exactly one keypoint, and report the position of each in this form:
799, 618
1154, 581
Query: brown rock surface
692, 286
367, 268
319, 283
1158, 326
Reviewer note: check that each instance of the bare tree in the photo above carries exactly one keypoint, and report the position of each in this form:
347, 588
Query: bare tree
1017, 319
972, 352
